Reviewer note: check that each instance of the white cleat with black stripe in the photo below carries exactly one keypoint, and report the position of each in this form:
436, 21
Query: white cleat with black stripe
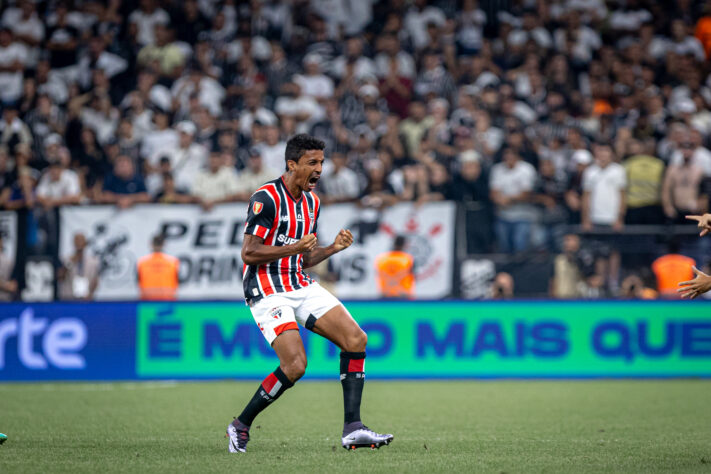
238, 439
365, 438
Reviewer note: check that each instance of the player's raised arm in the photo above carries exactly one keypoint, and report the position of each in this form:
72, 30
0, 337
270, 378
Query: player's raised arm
343, 240
254, 252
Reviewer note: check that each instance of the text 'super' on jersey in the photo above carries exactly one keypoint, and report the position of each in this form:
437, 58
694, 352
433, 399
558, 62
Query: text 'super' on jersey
279, 219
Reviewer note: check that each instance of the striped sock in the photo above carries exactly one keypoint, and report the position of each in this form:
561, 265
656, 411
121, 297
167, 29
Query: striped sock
352, 380
270, 389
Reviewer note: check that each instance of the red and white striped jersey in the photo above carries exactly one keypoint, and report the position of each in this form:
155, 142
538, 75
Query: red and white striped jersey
279, 219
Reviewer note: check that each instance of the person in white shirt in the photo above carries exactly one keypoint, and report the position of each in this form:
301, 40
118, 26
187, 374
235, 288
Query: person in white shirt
146, 18
391, 48
272, 151
338, 182
98, 58
604, 191
59, 186
416, 21
186, 159
253, 176
217, 184
363, 66
13, 59
27, 28
313, 82
511, 183
162, 137
79, 275
209, 92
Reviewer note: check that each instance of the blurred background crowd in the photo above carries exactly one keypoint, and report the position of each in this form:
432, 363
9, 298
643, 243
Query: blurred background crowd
546, 120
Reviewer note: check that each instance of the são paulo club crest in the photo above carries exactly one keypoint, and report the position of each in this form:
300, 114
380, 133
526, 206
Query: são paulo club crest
257, 207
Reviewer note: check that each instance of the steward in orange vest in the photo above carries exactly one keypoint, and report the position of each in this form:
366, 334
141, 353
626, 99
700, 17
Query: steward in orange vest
158, 273
396, 278
670, 269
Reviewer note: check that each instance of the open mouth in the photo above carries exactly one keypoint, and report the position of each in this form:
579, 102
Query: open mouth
312, 181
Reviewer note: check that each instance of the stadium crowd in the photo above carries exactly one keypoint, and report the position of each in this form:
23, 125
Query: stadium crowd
542, 113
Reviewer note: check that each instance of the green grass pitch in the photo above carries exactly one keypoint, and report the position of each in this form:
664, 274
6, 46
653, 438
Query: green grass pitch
457, 426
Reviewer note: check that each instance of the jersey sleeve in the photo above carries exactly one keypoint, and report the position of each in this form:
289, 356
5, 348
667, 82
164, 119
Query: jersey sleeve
260, 215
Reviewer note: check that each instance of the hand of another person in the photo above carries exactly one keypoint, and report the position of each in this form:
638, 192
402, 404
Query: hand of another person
693, 288
704, 223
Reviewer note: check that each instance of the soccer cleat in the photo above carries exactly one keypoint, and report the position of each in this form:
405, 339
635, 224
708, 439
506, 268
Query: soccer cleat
3, 438
238, 439
365, 438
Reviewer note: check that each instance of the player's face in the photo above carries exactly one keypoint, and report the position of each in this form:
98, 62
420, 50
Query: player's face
307, 170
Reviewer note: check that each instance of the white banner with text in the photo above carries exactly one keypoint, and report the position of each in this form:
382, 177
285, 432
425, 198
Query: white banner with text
208, 245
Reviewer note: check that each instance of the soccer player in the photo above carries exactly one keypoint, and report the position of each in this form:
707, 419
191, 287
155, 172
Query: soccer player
702, 282
279, 242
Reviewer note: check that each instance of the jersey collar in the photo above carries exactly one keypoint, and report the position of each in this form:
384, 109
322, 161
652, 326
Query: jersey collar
283, 183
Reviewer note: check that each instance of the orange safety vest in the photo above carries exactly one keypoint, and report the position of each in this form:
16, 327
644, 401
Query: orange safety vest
670, 270
158, 276
703, 34
395, 276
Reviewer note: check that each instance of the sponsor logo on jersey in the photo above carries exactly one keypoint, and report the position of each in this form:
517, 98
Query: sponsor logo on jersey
285, 218
286, 240
257, 207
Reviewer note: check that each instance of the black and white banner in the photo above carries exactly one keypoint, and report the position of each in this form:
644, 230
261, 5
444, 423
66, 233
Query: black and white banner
208, 245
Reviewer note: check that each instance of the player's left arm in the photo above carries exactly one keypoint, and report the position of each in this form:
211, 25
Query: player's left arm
343, 240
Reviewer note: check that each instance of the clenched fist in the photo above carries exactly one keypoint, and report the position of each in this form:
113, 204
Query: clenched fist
306, 244
343, 240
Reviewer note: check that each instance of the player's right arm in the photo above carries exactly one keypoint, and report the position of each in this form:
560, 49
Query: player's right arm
260, 220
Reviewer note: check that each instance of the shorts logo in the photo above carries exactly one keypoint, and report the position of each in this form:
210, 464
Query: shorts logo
275, 313
257, 207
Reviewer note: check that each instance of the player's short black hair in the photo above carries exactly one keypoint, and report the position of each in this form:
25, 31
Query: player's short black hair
300, 144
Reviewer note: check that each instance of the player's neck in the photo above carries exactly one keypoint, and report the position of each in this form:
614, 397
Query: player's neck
291, 186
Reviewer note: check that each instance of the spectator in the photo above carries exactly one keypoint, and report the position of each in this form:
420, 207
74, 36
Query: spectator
272, 151
8, 284
163, 56
511, 183
169, 194
414, 127
13, 60
59, 185
146, 18
568, 275
644, 186
604, 192
253, 176
502, 287
313, 82
681, 191
338, 182
79, 274
124, 186
13, 130
549, 190
217, 184
186, 159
